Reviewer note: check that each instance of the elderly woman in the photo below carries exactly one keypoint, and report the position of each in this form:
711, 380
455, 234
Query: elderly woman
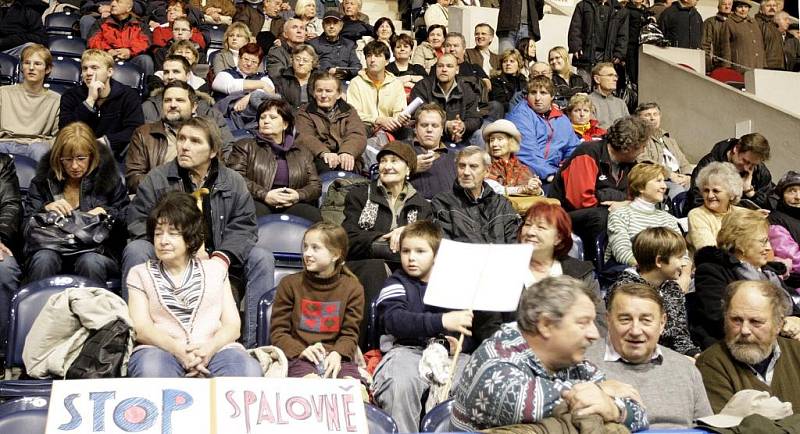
330, 129
306, 11
78, 174
509, 84
646, 187
292, 84
567, 84
502, 138
548, 228
183, 311
580, 111
280, 176
784, 220
244, 87
742, 253
428, 52
721, 187
237, 35
376, 213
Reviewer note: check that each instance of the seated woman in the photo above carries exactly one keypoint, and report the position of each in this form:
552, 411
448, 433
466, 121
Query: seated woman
78, 174
549, 229
408, 73
183, 312
280, 176
237, 35
383, 31
663, 264
329, 128
721, 187
243, 88
292, 84
527, 48
784, 220
376, 213
647, 188
502, 138
428, 52
580, 111
741, 253
509, 84
306, 11
215, 11
566, 82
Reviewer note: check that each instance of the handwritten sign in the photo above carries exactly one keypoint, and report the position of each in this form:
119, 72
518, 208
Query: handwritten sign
487, 277
199, 406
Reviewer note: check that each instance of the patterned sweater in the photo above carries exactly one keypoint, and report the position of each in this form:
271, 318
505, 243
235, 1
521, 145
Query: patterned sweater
505, 383
626, 222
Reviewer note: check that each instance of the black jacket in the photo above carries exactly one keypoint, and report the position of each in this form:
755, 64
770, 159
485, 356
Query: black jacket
565, 91
439, 177
355, 29
20, 24
363, 227
682, 26
288, 87
463, 101
337, 54
10, 202
505, 86
584, 25
488, 219
761, 182
120, 114
509, 17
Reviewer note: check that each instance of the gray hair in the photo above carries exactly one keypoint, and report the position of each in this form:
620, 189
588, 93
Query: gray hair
472, 150
457, 35
551, 297
727, 175
778, 301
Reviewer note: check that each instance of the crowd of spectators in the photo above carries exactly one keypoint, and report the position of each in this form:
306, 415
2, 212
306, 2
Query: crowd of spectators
656, 317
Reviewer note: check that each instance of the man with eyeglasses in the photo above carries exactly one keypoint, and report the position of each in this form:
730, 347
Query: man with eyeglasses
337, 55
608, 107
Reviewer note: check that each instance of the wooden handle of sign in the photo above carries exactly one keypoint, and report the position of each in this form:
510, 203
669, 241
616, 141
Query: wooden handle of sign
453, 363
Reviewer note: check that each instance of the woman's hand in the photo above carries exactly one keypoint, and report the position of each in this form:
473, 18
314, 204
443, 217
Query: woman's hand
241, 105
314, 353
331, 159
282, 197
185, 353
394, 238
61, 206
534, 186
97, 211
333, 364
458, 321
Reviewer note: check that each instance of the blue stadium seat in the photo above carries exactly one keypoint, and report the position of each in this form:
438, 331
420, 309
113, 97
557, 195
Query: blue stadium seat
378, 421
24, 415
577, 247
9, 69
284, 269
129, 74
62, 24
67, 46
438, 419
26, 170
215, 36
65, 74
600, 251
282, 234
264, 317
327, 179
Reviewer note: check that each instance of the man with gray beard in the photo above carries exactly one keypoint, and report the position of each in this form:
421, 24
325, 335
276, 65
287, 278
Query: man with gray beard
753, 355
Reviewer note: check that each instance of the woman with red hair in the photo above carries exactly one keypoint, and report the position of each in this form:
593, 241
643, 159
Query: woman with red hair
549, 229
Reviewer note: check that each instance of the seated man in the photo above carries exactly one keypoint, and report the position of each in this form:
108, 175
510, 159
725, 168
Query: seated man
459, 99
279, 57
227, 206
669, 384
244, 86
609, 108
10, 220
471, 211
482, 55
337, 55
534, 368
594, 179
123, 36
436, 165
664, 150
263, 19
547, 134
19, 24
376, 94
330, 129
175, 67
111, 109
455, 44
748, 153
753, 355
356, 24
29, 111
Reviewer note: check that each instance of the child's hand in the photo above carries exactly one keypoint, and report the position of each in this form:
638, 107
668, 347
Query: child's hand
458, 321
333, 364
314, 353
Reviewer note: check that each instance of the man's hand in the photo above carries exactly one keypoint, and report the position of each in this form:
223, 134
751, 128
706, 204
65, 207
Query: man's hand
617, 389
123, 53
95, 88
97, 211
791, 327
425, 161
241, 104
587, 398
458, 321
747, 184
682, 180
4, 252
347, 161
331, 159
388, 124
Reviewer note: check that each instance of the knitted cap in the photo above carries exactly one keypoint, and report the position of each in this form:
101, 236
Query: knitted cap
791, 178
402, 150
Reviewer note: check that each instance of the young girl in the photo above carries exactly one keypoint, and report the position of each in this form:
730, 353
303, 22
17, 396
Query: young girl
237, 35
317, 312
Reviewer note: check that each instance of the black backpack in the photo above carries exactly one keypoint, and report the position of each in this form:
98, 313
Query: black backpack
333, 206
102, 353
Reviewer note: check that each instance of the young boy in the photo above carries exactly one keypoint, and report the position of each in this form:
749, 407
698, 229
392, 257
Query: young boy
409, 325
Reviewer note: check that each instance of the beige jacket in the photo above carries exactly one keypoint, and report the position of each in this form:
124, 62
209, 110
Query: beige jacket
63, 326
424, 55
388, 100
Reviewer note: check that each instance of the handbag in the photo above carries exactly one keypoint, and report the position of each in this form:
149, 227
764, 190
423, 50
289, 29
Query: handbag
75, 234
102, 353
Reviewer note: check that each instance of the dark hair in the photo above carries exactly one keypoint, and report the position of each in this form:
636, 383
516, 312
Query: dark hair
182, 85
542, 82
210, 128
378, 23
323, 75
522, 47
180, 210
180, 59
431, 107
627, 133
431, 233
403, 39
638, 290
252, 48
755, 143
556, 216
284, 110
377, 48
489, 26
646, 106
433, 27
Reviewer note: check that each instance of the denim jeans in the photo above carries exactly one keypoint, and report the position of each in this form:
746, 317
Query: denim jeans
157, 363
513, 37
34, 150
258, 271
9, 282
45, 263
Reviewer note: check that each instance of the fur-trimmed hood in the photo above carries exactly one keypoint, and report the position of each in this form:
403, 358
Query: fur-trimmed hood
104, 179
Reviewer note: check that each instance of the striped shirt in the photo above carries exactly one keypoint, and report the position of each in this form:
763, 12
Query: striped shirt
626, 222
183, 298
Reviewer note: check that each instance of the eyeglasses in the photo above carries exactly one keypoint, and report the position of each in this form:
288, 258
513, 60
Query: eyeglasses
302, 60
608, 75
80, 159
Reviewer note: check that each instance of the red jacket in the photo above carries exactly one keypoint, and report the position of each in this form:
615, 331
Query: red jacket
162, 37
129, 33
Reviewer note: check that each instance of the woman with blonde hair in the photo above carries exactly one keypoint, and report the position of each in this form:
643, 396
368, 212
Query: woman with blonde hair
236, 36
509, 83
502, 141
567, 84
306, 11
581, 113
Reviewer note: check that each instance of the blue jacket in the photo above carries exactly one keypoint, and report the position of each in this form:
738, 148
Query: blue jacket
545, 142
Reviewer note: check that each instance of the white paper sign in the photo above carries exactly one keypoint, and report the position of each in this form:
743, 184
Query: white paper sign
290, 405
145, 405
488, 277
